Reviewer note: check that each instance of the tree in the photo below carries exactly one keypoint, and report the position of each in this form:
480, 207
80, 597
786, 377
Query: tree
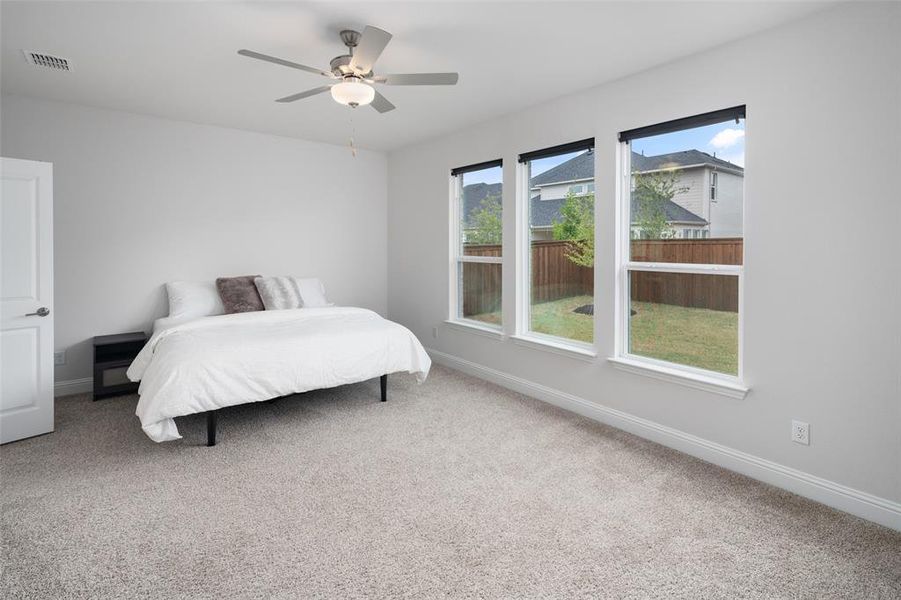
652, 192
487, 222
576, 225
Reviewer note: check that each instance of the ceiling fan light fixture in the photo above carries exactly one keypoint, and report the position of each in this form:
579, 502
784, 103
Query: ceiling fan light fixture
353, 92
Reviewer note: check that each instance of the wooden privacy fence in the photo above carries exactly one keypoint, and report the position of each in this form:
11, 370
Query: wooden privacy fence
713, 251
716, 292
554, 276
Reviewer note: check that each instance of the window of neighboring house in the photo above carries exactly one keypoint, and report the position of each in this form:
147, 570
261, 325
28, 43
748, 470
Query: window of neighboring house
681, 302
477, 222
590, 188
556, 288
713, 185
686, 233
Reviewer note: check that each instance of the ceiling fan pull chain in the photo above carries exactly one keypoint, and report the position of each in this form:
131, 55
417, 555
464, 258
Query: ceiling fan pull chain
353, 133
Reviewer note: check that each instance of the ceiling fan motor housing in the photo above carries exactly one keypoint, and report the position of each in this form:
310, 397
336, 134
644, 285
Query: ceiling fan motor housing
341, 65
350, 37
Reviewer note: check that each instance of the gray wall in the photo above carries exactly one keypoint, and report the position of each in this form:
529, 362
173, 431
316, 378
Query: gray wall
822, 320
139, 201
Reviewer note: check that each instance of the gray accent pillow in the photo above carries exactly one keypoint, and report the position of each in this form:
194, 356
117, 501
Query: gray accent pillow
279, 293
239, 294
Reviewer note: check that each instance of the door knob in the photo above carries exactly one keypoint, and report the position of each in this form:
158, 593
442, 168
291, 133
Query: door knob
41, 312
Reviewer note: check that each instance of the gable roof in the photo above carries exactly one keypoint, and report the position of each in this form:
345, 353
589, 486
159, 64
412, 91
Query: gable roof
582, 166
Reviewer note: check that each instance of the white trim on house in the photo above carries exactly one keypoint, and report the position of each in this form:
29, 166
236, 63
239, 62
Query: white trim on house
867, 506
736, 171
561, 182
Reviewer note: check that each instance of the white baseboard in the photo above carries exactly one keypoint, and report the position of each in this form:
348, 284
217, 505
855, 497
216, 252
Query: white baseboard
73, 386
867, 506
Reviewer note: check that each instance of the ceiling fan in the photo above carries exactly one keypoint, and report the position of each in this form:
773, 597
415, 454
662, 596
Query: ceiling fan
352, 72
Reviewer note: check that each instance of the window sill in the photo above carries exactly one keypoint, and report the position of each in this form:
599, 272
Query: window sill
548, 344
674, 375
477, 328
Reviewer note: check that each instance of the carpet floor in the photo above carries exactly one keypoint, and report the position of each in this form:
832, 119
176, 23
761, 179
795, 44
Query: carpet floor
456, 488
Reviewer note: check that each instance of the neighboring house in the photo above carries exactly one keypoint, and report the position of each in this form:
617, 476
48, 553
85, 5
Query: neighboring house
708, 202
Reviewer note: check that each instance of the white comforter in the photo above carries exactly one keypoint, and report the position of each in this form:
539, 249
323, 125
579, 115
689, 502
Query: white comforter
225, 360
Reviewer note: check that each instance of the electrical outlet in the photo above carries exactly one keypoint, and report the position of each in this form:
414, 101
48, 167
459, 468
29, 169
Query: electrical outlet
435, 332
59, 358
801, 433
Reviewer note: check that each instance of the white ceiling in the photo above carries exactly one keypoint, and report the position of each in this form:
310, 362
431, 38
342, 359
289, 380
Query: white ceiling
178, 59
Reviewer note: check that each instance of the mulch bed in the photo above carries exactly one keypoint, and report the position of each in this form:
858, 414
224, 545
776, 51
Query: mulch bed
588, 309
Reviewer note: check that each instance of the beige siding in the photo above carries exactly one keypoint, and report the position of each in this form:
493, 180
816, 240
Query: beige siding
694, 195
727, 211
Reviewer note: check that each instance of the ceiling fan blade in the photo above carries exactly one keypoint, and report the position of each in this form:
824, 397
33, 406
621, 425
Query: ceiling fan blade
372, 42
284, 63
418, 79
381, 104
305, 94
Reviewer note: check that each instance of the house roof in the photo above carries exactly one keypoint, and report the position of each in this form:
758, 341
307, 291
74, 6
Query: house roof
473, 194
578, 167
544, 212
582, 166
674, 213
679, 159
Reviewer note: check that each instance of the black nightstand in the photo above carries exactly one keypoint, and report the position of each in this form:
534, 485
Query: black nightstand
112, 356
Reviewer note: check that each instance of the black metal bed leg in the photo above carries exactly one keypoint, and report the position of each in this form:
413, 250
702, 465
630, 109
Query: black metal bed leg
383, 380
211, 428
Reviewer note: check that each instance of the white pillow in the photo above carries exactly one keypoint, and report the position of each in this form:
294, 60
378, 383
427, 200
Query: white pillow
193, 299
312, 291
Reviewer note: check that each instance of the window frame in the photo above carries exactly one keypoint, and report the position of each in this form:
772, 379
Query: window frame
724, 383
456, 251
523, 333
714, 180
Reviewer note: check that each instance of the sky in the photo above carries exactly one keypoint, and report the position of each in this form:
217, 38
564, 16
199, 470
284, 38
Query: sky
726, 140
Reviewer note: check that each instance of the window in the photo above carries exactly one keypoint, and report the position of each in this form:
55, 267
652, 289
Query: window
681, 298
557, 292
477, 220
713, 185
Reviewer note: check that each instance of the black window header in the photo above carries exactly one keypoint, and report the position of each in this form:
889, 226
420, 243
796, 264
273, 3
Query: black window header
477, 167
717, 116
587, 144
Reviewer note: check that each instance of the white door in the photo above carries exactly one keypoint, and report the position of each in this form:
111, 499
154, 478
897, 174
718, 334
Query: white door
26, 299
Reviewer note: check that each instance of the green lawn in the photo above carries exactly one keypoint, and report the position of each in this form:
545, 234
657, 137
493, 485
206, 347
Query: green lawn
707, 339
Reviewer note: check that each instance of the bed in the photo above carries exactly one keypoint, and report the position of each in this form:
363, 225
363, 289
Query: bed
207, 363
